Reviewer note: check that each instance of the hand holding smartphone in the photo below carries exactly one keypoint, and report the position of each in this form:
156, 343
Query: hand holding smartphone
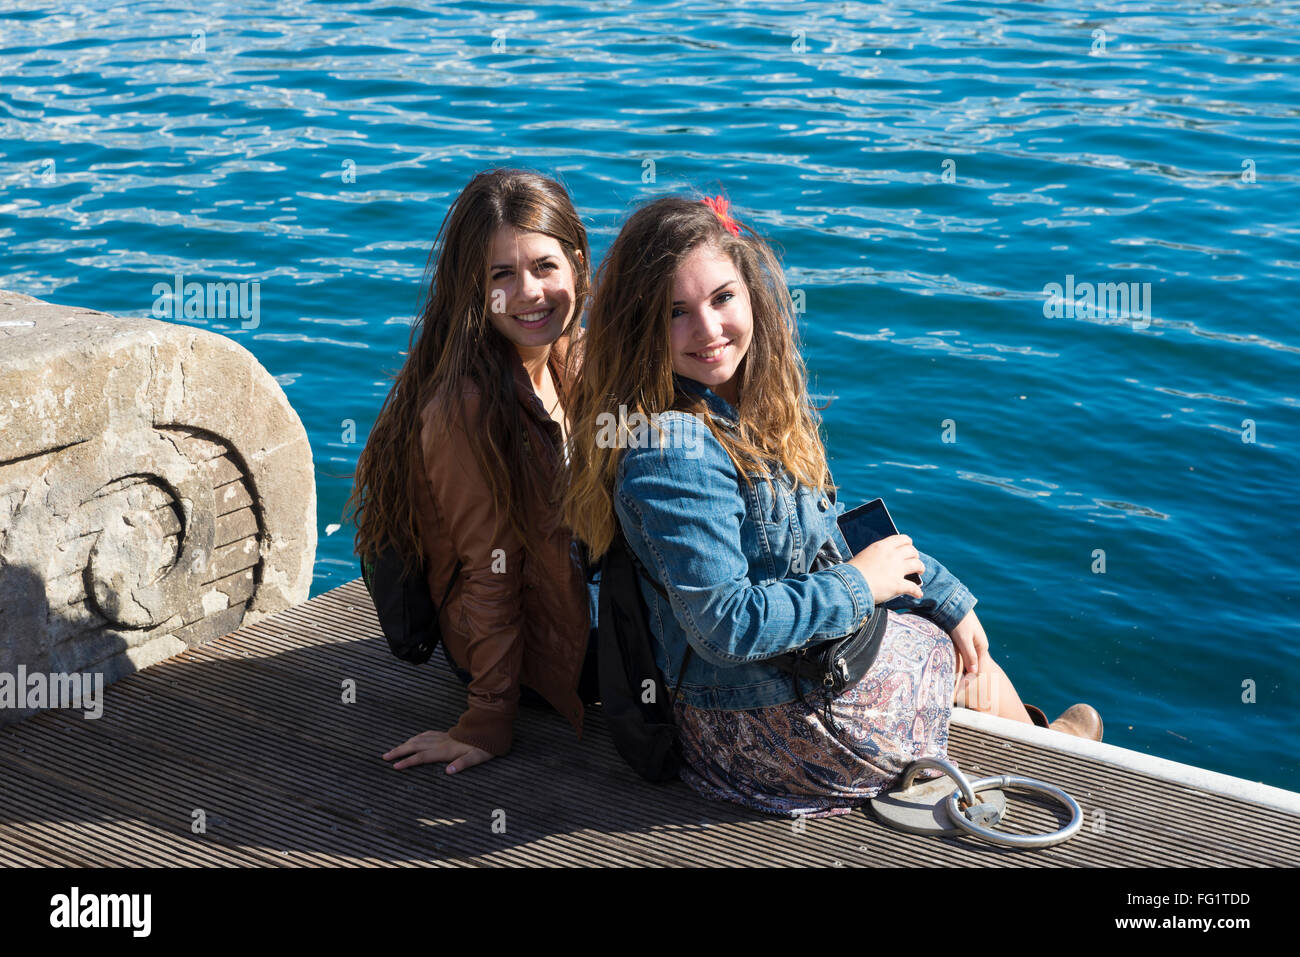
867, 524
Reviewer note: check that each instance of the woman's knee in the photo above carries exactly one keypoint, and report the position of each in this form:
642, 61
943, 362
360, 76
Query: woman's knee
981, 692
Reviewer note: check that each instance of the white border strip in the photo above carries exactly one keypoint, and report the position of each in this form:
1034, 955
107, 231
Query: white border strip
1185, 774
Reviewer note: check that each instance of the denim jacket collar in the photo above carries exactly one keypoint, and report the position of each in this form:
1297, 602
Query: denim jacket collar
716, 403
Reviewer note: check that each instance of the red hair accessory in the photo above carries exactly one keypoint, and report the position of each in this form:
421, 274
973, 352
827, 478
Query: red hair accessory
720, 206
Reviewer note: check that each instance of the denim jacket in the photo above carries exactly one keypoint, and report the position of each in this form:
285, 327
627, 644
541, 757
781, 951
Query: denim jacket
735, 559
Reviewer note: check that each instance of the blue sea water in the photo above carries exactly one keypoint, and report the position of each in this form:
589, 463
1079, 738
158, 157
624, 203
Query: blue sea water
1120, 493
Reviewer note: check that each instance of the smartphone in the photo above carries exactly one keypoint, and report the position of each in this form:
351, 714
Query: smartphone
869, 523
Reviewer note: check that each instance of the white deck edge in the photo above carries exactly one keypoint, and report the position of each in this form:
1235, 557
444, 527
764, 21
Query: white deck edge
1188, 775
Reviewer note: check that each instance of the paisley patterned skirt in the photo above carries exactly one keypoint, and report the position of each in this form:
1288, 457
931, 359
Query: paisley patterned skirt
785, 760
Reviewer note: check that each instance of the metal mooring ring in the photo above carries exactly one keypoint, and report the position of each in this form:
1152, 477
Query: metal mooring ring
964, 787
1014, 782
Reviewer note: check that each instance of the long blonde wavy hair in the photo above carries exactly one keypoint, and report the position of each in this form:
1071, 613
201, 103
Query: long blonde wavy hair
627, 361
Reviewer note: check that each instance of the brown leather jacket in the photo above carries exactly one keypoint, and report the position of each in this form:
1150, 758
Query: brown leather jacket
509, 619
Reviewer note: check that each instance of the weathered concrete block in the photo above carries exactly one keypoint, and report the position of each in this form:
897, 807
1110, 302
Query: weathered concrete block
156, 492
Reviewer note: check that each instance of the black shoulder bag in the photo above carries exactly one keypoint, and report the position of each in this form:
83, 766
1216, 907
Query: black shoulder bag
840, 663
405, 608
633, 694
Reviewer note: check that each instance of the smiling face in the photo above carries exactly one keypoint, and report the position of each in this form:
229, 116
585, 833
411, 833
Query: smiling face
712, 323
530, 289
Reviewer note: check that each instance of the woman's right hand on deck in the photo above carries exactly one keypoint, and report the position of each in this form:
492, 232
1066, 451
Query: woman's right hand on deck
434, 746
885, 565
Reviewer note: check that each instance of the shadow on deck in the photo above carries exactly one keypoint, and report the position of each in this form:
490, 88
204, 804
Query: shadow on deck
251, 731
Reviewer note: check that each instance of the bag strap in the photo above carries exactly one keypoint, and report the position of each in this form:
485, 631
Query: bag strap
455, 573
641, 568
681, 675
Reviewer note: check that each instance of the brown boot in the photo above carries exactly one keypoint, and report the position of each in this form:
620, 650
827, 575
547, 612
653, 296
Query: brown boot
1036, 715
1080, 720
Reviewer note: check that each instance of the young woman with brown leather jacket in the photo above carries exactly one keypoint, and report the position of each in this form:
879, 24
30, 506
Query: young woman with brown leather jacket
463, 460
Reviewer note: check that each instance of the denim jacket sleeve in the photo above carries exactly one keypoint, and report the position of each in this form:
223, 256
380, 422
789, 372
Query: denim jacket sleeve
682, 508
946, 600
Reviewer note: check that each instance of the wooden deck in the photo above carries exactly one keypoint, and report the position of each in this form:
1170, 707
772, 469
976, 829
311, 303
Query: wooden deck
251, 730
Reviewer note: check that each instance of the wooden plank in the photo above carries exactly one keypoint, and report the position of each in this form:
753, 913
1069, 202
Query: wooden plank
253, 728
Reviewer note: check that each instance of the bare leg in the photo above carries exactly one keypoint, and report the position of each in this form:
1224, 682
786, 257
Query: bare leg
990, 692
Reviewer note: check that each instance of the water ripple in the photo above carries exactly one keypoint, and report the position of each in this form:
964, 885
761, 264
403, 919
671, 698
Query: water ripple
928, 170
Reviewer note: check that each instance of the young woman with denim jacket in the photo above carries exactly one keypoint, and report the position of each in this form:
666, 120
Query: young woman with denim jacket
719, 483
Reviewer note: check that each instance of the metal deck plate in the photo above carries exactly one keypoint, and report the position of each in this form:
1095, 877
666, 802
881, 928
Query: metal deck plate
920, 809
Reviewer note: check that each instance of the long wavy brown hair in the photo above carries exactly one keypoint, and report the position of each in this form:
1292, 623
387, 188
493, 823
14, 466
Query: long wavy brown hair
628, 361
453, 344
